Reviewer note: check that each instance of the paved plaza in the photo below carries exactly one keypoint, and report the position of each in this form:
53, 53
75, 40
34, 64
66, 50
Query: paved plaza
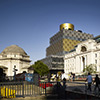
28, 98
69, 86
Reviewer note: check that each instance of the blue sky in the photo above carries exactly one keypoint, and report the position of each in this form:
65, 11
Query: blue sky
30, 23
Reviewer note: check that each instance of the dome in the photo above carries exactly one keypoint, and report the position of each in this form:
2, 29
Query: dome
14, 49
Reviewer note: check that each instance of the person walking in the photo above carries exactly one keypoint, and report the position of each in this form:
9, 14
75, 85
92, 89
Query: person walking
89, 80
96, 80
73, 76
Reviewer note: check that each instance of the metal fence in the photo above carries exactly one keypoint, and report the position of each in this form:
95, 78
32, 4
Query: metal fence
61, 89
20, 89
24, 88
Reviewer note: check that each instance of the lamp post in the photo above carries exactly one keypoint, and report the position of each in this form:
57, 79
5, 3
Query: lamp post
15, 72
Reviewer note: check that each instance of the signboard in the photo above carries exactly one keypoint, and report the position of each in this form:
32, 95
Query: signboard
29, 77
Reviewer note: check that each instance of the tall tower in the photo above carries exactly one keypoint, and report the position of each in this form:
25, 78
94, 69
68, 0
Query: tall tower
65, 40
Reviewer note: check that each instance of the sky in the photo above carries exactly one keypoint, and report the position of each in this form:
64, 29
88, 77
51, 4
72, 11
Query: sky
30, 23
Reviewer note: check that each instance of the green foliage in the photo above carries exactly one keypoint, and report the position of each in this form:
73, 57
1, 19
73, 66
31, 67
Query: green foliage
89, 69
40, 68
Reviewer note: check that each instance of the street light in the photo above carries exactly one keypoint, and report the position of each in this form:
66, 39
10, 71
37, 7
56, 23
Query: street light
15, 72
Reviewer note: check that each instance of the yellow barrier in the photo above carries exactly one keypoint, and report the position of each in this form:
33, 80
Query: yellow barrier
7, 93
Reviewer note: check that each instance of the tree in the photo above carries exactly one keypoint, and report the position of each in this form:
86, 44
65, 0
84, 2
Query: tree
40, 68
90, 69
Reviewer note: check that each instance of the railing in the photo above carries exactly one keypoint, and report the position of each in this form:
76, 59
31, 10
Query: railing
60, 89
20, 89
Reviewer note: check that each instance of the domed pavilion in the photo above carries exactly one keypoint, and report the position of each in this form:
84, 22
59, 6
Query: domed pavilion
14, 57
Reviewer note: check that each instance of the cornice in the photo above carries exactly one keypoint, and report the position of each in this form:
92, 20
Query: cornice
16, 59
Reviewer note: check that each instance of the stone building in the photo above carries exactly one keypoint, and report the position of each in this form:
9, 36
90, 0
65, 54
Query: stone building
85, 53
14, 56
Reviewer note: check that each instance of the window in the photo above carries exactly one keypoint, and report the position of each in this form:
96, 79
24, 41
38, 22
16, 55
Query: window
95, 61
83, 49
96, 68
96, 55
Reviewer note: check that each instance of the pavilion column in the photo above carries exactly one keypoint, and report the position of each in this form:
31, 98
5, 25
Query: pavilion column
85, 60
81, 63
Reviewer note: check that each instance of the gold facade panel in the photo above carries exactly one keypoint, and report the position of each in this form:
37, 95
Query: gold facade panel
62, 45
69, 44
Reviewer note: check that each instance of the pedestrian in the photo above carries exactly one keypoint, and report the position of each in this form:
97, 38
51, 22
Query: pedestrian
96, 80
73, 76
70, 77
64, 82
63, 76
89, 80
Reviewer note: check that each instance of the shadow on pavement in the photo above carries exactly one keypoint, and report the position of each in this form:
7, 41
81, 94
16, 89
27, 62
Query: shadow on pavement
57, 93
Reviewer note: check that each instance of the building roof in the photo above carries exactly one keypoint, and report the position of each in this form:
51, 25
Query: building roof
97, 39
14, 49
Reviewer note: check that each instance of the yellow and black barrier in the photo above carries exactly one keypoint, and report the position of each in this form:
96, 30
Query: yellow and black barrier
7, 93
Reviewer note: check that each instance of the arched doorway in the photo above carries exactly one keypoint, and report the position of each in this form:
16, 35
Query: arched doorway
83, 58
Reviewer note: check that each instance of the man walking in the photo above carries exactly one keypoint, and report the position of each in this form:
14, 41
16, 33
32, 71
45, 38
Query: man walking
89, 80
97, 82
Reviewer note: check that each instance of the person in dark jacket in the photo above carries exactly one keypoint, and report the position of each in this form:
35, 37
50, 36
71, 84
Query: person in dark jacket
96, 80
